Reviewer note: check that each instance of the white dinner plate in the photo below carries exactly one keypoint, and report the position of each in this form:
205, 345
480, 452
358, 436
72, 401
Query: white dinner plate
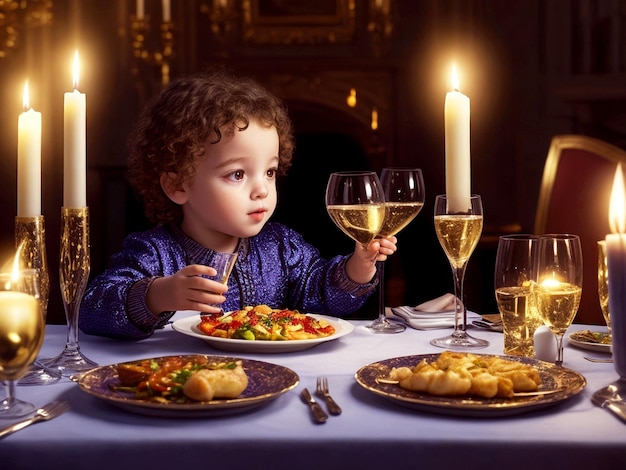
187, 326
577, 339
266, 382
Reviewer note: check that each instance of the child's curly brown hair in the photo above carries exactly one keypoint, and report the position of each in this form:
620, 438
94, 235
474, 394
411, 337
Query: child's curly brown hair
174, 128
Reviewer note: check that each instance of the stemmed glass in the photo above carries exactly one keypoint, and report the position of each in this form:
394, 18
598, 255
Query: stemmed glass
73, 276
404, 199
515, 279
356, 204
559, 285
39, 373
603, 284
458, 232
21, 334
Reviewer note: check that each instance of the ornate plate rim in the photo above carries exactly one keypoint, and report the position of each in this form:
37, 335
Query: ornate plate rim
186, 326
464, 406
96, 382
597, 347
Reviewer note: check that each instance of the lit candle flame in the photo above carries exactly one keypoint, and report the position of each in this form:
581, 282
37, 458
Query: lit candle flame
455, 78
550, 283
617, 219
76, 69
25, 101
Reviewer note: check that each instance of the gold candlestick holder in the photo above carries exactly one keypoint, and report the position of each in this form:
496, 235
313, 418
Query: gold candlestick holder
30, 237
30, 234
74, 270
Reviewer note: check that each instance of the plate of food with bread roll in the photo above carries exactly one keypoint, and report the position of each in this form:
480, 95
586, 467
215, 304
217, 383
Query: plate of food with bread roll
469, 384
262, 329
188, 385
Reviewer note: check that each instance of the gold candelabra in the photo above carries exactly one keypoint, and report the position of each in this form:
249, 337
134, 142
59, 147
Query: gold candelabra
15, 15
222, 15
380, 25
162, 57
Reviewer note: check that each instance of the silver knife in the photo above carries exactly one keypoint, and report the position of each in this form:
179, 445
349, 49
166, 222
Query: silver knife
318, 413
605, 398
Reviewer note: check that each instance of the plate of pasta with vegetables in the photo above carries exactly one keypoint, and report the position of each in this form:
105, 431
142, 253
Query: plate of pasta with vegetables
262, 329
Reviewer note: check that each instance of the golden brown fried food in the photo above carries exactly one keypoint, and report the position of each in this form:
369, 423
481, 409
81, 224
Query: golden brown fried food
454, 374
206, 384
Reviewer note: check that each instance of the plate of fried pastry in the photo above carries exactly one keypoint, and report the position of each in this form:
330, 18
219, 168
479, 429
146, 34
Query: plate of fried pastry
188, 386
468, 384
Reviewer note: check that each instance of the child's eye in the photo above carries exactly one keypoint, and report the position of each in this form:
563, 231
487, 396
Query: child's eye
271, 173
236, 175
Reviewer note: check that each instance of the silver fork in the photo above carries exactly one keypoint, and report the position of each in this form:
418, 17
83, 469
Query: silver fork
51, 410
322, 391
595, 359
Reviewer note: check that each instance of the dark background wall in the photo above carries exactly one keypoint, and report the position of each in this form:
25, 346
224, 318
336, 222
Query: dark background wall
532, 69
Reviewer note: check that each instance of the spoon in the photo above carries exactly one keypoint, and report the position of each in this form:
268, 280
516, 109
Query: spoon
609, 398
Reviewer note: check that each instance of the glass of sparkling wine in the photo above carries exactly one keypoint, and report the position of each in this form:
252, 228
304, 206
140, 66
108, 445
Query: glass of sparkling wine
458, 232
603, 284
21, 334
514, 281
559, 283
356, 204
404, 199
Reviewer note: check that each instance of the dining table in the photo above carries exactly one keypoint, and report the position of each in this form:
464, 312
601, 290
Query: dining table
373, 431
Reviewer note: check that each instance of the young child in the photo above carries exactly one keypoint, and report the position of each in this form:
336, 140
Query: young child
204, 159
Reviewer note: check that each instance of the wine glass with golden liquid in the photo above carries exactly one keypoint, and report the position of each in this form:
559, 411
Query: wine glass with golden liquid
559, 283
458, 231
603, 284
515, 279
356, 204
21, 334
404, 199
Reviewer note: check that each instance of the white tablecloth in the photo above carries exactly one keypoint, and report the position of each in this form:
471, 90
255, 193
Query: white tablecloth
372, 432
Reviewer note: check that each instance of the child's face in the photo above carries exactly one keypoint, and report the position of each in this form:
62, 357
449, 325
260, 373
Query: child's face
233, 193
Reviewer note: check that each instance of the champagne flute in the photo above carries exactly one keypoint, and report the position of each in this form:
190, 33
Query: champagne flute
458, 233
355, 203
559, 285
514, 281
21, 334
603, 284
404, 199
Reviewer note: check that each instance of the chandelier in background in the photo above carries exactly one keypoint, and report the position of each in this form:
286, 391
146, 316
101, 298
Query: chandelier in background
18, 15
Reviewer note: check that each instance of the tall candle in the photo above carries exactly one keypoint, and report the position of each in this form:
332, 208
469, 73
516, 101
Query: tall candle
74, 146
167, 11
457, 146
616, 265
140, 12
28, 160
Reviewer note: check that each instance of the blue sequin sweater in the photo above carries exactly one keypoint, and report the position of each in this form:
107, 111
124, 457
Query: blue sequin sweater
277, 267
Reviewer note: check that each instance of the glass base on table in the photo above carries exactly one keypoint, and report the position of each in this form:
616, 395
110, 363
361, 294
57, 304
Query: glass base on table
385, 326
71, 361
14, 408
460, 340
40, 374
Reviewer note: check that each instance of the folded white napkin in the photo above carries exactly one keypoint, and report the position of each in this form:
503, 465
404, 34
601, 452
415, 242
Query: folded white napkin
436, 313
